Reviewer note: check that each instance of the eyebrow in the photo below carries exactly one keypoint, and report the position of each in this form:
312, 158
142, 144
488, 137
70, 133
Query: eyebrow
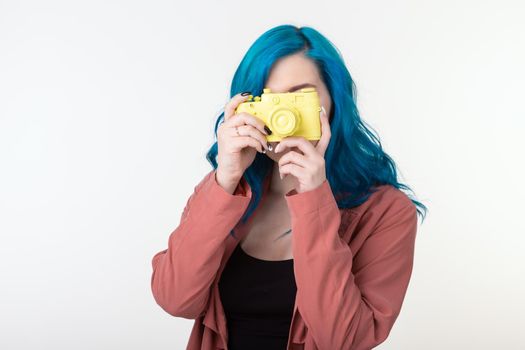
300, 86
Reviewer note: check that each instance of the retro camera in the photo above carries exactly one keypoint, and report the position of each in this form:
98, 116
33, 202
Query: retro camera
286, 114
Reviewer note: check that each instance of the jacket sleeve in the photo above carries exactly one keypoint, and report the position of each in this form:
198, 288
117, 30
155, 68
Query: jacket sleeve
341, 308
183, 273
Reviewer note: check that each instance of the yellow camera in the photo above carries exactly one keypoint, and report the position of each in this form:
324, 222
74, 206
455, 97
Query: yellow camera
286, 114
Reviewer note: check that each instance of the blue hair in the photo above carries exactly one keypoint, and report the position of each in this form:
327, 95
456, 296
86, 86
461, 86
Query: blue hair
355, 161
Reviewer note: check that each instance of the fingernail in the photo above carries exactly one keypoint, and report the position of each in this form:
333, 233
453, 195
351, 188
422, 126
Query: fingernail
269, 146
268, 131
324, 111
245, 93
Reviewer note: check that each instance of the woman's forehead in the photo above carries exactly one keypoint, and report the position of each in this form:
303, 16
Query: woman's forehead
292, 71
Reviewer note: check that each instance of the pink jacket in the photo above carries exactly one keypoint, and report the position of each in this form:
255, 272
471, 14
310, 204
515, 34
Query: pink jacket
352, 266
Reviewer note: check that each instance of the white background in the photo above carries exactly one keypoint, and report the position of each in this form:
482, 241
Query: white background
107, 110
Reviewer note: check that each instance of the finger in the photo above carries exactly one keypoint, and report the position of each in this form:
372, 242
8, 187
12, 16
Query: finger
294, 158
244, 118
326, 133
292, 169
296, 141
229, 109
240, 142
249, 130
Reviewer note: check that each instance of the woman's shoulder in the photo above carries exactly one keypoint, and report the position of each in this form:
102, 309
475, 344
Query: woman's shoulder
383, 202
384, 197
386, 206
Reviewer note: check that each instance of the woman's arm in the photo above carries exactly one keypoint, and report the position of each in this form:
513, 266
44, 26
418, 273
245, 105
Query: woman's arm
343, 310
183, 273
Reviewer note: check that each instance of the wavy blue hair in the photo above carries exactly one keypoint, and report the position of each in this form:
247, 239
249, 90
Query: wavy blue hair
355, 161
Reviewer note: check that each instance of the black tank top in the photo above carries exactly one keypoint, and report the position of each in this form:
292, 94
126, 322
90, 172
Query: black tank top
258, 297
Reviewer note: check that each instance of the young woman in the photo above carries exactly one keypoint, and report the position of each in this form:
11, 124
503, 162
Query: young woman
293, 245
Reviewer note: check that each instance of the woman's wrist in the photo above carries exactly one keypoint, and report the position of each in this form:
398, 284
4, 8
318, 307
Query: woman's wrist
228, 184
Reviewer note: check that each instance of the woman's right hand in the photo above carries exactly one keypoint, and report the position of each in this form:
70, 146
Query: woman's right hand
238, 138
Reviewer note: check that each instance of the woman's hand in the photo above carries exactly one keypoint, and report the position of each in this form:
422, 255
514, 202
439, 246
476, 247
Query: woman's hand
238, 138
308, 167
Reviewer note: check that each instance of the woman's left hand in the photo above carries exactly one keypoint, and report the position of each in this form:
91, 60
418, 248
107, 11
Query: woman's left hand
309, 167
